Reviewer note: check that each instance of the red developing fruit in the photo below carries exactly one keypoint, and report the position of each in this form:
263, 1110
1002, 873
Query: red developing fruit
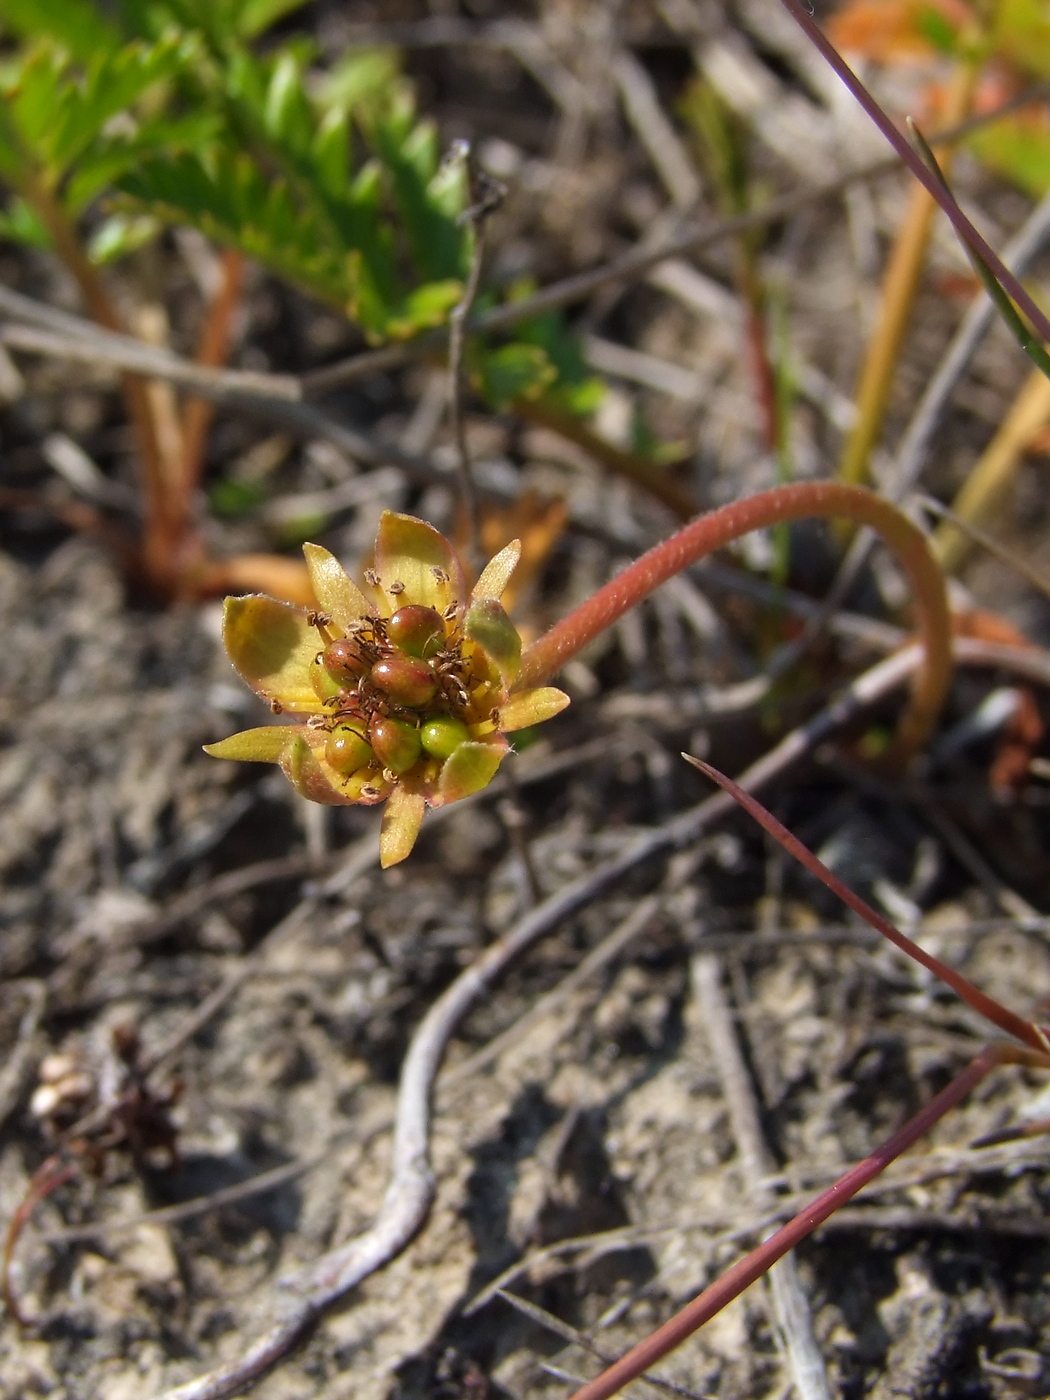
416, 630
343, 662
396, 743
405, 679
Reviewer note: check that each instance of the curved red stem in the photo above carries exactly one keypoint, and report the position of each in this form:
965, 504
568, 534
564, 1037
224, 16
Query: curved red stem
792, 502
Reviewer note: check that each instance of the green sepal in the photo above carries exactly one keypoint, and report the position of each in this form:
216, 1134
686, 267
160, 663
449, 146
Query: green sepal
471, 768
487, 624
264, 745
529, 707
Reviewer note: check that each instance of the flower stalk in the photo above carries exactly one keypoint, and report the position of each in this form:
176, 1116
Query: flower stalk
795, 501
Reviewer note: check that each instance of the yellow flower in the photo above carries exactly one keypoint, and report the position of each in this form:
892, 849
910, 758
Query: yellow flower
402, 691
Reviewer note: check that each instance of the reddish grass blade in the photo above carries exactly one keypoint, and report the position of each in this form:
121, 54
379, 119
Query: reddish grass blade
751, 1268
986, 1006
962, 225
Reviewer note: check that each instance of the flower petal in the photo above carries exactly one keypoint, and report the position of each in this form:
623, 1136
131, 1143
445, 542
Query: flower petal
401, 822
272, 646
531, 707
471, 768
335, 591
496, 574
413, 553
265, 745
487, 624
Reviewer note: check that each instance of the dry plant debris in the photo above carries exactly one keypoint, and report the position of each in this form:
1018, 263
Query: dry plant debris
589, 1172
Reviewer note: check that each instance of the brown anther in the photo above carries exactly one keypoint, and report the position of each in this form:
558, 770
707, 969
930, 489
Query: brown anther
450, 612
439, 574
372, 578
319, 721
396, 588
276, 707
318, 619
369, 791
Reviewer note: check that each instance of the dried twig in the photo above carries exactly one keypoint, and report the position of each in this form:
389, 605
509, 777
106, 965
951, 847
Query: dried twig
34, 992
485, 195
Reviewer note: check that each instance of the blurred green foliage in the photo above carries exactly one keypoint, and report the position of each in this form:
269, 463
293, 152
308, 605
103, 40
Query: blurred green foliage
116, 123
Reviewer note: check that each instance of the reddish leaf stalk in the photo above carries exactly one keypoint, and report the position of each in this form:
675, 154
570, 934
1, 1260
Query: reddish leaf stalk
48, 1177
748, 1270
212, 349
160, 526
796, 501
983, 1004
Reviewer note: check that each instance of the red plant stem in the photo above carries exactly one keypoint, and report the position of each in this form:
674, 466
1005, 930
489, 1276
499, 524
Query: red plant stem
744, 1273
962, 225
212, 349
48, 1177
986, 1006
159, 524
792, 502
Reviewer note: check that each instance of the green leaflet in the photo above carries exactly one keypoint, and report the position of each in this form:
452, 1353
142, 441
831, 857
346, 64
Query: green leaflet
141, 113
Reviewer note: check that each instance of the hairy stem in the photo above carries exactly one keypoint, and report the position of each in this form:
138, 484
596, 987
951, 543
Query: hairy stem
796, 501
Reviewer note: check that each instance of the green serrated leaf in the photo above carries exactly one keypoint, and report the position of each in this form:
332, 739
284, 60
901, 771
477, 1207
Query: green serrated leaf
253, 16
513, 372
424, 307
78, 25
361, 78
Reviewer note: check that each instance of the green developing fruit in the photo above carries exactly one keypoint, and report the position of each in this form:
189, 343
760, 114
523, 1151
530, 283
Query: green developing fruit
347, 749
396, 743
442, 736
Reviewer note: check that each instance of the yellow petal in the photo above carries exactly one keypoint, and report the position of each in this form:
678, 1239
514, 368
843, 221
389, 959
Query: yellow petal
413, 553
496, 573
471, 768
401, 822
271, 645
335, 591
265, 745
531, 707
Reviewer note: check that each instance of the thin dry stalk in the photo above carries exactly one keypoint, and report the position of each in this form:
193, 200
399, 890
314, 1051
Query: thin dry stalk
899, 289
